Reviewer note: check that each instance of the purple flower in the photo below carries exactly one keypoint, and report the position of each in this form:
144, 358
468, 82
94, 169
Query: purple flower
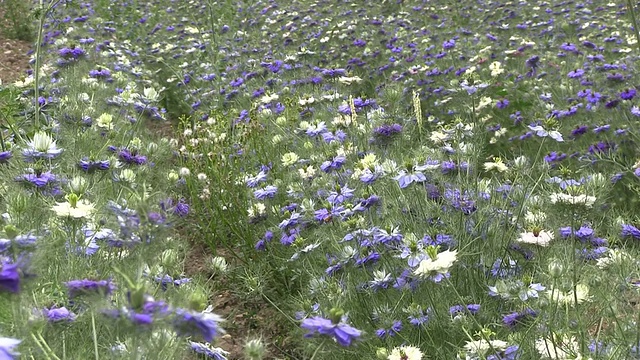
90, 165
630, 230
628, 94
575, 74
449, 44
341, 332
204, 324
10, 277
130, 157
266, 192
387, 130
5, 156
87, 287
515, 318
59, 314
7, 346
167, 280
405, 178
208, 351
333, 164
503, 103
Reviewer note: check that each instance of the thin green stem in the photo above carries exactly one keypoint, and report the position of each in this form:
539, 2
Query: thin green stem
95, 337
318, 349
633, 20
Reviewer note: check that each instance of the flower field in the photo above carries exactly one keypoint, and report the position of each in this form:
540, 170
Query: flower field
319, 179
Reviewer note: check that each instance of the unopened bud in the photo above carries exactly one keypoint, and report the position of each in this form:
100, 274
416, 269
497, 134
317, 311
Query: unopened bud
255, 349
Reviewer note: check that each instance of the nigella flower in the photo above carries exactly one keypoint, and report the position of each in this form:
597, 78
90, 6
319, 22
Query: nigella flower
208, 351
503, 268
166, 280
9, 276
344, 334
630, 231
90, 165
58, 314
261, 244
129, 157
576, 74
333, 164
518, 317
464, 309
267, 192
204, 324
42, 146
387, 130
635, 111
628, 94
89, 287
340, 195
5, 156
73, 52
405, 178
418, 316
7, 346
100, 73
395, 328
449, 44
503, 103
141, 309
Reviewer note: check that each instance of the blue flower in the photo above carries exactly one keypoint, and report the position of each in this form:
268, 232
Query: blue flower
41, 147
58, 314
204, 324
7, 346
341, 332
86, 286
209, 351
10, 276
405, 178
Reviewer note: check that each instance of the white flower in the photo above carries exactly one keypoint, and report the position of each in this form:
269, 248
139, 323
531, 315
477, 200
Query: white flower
581, 199
440, 264
496, 68
405, 352
482, 347
307, 173
184, 172
349, 80
289, 159
569, 298
82, 209
562, 348
150, 94
543, 238
105, 121
614, 256
497, 165
535, 217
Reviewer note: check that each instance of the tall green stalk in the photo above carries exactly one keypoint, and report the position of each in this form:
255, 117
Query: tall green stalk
633, 20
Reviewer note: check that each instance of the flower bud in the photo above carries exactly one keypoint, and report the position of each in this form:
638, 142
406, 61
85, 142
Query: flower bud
169, 258
198, 300
173, 176
255, 349
556, 268
382, 354
11, 231
219, 265
78, 185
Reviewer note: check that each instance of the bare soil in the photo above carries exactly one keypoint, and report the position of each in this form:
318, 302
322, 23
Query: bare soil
14, 60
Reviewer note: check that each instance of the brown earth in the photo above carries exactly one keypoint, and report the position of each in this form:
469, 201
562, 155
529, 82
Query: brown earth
13, 56
244, 319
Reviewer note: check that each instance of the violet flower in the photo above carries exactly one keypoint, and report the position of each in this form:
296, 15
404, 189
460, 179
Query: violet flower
344, 334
